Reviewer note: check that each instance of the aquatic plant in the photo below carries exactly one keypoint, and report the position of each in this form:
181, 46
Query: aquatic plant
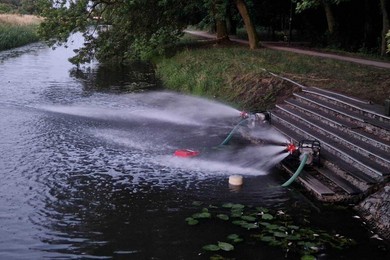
262, 225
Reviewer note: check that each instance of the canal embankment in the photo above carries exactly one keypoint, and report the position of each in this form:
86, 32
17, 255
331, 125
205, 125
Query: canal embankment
240, 77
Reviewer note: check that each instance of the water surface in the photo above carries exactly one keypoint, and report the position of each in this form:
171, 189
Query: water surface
87, 170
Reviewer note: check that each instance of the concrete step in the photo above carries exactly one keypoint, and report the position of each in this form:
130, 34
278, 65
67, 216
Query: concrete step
360, 106
367, 165
347, 170
341, 124
371, 125
366, 149
310, 181
341, 182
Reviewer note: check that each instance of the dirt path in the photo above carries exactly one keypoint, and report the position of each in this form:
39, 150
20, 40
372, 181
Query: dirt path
380, 64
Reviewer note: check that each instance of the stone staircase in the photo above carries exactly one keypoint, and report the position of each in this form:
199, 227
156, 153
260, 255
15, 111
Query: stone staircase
355, 143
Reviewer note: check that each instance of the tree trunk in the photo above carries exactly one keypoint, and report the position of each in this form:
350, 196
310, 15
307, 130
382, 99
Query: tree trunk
249, 26
222, 31
385, 26
330, 19
220, 21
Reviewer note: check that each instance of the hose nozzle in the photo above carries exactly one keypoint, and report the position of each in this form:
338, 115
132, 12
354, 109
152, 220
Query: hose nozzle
291, 147
244, 114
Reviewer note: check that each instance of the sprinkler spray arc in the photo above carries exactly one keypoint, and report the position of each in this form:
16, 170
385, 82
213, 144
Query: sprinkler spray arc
307, 151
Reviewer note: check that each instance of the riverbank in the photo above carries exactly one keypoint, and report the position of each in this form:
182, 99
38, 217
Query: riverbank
234, 74
240, 77
18, 30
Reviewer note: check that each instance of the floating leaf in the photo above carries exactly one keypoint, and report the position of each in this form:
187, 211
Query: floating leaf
217, 257
233, 236
293, 237
238, 206
293, 227
249, 226
248, 218
211, 247
212, 207
240, 222
267, 216
236, 213
261, 209
202, 215
197, 203
223, 216
267, 239
228, 205
205, 210
308, 257
192, 221
225, 246
280, 234
272, 227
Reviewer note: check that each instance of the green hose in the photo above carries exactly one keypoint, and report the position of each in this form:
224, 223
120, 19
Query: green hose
227, 139
298, 171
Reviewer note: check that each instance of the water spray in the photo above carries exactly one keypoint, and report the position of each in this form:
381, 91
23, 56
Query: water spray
308, 151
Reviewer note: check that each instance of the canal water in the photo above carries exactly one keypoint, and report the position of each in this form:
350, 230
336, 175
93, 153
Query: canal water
87, 168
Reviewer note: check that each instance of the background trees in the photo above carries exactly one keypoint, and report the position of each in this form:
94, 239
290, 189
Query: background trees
139, 28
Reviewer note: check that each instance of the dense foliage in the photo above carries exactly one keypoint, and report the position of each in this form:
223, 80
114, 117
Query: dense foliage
117, 29
19, 6
123, 29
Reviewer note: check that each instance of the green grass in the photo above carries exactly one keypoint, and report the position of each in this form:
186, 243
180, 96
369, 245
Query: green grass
12, 36
235, 74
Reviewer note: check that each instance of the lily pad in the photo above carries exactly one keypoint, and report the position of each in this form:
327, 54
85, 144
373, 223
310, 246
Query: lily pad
308, 257
238, 206
280, 234
236, 213
267, 239
250, 226
227, 205
233, 236
240, 222
211, 247
197, 203
261, 209
202, 215
225, 246
223, 216
192, 221
267, 216
248, 218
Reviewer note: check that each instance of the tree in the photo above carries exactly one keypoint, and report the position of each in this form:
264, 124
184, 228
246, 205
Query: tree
326, 5
385, 26
116, 29
249, 25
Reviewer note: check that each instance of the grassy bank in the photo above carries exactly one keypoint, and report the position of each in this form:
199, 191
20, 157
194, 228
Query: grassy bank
235, 74
17, 30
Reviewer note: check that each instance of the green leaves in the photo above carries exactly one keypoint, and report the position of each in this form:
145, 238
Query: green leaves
263, 225
138, 29
221, 246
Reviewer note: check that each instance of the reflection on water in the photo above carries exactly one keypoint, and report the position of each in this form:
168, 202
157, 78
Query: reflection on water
87, 169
